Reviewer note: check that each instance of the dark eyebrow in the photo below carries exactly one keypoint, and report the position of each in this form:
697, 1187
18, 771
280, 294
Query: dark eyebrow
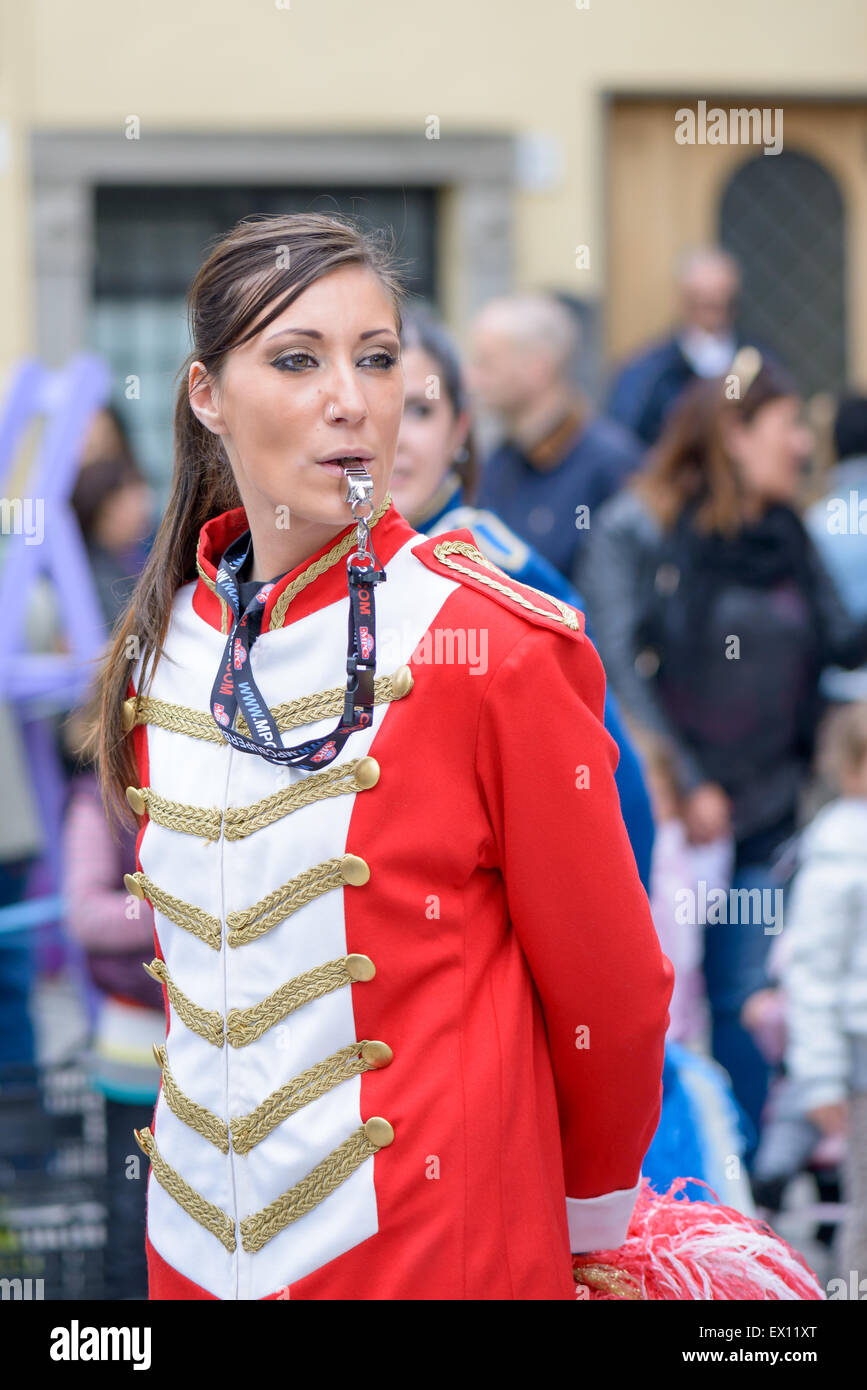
314, 333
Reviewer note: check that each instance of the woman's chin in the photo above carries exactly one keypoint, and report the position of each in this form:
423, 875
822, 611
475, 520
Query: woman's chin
323, 499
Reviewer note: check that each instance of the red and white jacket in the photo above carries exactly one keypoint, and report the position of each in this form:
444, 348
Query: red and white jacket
415, 1002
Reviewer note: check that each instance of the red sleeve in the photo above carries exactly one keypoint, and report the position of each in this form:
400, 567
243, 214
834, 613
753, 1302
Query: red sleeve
546, 765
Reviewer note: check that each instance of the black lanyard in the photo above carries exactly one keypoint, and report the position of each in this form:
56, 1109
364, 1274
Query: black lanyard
235, 687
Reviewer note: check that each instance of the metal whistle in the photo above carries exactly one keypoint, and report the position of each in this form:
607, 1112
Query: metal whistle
359, 494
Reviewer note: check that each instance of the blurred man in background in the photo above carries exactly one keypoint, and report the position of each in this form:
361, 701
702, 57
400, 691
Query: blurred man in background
702, 344
556, 463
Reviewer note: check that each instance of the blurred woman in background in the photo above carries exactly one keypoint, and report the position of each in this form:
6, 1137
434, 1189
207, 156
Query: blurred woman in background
435, 475
114, 505
715, 618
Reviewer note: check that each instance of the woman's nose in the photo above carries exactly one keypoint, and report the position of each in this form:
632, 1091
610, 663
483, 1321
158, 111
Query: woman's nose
347, 402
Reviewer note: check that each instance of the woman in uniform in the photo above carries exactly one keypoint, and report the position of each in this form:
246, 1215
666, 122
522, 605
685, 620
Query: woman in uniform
415, 1002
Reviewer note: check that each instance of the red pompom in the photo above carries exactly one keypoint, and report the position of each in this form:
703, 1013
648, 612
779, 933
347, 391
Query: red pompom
679, 1250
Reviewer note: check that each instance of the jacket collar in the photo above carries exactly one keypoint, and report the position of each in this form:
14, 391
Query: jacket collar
550, 451
388, 535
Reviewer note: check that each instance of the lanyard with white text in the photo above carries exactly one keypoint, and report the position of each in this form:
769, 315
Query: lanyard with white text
235, 687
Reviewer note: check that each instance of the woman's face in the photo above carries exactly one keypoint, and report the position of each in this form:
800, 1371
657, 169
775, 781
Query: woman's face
103, 439
430, 434
336, 345
125, 517
771, 450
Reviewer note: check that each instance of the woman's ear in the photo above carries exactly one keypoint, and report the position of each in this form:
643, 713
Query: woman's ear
204, 399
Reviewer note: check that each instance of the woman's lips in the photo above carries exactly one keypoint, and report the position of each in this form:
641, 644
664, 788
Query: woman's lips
335, 468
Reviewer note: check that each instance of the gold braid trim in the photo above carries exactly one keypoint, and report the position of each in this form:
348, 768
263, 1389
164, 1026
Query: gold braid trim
252, 922
567, 615
224, 607
239, 821
337, 552
198, 1117
212, 1217
244, 1026
183, 914
201, 821
307, 709
335, 780
248, 1130
179, 719
257, 1230
208, 1025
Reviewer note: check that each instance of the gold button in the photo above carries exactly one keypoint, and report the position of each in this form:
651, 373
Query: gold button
127, 715
360, 967
149, 967
379, 1132
354, 870
136, 800
377, 1054
367, 773
133, 886
157, 1057
402, 682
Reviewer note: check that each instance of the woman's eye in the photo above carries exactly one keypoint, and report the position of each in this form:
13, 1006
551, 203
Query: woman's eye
300, 360
381, 360
289, 362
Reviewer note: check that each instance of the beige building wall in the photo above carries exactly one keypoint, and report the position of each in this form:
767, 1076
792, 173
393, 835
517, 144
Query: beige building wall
540, 70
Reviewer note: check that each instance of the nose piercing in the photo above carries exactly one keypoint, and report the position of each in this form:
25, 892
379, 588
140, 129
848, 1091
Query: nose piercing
331, 409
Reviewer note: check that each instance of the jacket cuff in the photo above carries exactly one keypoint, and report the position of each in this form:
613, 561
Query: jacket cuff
600, 1223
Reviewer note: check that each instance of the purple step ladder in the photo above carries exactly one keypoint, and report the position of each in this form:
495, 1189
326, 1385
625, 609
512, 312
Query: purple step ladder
42, 537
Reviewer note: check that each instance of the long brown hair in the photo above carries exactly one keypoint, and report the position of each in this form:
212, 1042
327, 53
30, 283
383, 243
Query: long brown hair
691, 462
264, 258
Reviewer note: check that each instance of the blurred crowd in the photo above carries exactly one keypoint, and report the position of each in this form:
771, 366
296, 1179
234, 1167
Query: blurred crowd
727, 597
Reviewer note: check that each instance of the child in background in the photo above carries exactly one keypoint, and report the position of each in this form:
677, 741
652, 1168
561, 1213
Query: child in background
701, 1129
676, 866
824, 968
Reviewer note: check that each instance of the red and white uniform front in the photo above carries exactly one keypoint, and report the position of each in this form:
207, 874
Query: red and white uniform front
510, 1028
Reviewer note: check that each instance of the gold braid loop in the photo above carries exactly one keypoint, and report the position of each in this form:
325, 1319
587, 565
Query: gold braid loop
198, 1117
337, 552
307, 709
257, 1230
202, 821
207, 1024
248, 1130
212, 1217
335, 780
567, 615
193, 919
244, 1026
252, 922
239, 821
